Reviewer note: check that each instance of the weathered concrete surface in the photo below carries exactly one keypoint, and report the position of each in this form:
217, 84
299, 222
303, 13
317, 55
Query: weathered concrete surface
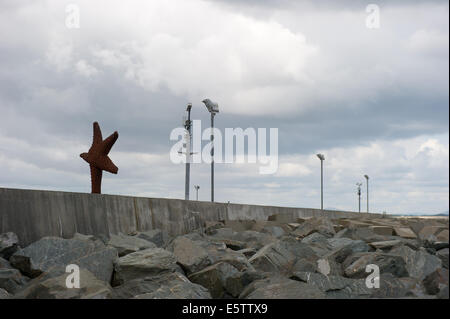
33, 214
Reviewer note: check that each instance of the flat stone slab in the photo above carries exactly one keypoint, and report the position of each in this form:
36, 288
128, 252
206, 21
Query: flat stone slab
385, 244
405, 232
148, 262
382, 230
129, 244
428, 231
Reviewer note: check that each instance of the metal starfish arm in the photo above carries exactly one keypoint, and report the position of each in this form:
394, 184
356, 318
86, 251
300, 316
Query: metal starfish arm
106, 164
109, 142
97, 135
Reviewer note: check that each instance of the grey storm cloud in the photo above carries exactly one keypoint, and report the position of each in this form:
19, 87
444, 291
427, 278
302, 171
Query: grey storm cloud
373, 101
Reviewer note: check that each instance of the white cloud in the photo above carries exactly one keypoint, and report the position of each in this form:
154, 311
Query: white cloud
245, 63
431, 42
59, 54
86, 69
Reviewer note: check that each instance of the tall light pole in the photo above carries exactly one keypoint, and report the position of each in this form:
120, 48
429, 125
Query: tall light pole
367, 181
322, 158
197, 187
213, 108
187, 126
359, 196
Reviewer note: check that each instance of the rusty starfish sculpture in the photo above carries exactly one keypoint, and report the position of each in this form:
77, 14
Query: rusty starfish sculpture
98, 159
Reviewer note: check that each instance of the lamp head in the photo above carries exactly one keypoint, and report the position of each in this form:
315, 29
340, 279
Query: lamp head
321, 157
189, 107
211, 106
367, 177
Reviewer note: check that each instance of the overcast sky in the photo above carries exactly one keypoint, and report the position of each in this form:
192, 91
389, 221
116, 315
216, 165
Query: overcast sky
373, 101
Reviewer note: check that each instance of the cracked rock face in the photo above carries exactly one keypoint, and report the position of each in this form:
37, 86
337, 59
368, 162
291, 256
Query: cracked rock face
9, 244
53, 255
284, 257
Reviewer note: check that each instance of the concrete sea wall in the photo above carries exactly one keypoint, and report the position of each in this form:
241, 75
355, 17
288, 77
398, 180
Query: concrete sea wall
33, 214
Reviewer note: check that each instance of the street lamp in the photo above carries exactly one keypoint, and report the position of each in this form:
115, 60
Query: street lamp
367, 181
197, 187
188, 125
359, 196
322, 158
213, 108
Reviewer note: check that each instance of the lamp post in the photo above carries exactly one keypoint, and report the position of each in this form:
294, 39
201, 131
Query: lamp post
197, 187
322, 158
187, 126
367, 181
359, 196
213, 108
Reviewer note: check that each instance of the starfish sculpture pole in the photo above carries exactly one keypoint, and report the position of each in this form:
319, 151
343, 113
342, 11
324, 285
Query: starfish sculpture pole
98, 159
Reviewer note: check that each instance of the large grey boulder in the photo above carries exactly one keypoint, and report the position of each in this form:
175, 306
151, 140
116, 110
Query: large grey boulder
12, 280
284, 256
386, 244
443, 255
195, 253
53, 254
434, 244
281, 288
143, 263
191, 254
214, 278
275, 231
341, 249
225, 278
251, 238
254, 239
4, 294
156, 236
317, 242
5, 264
316, 224
9, 244
437, 281
167, 285
299, 249
212, 226
128, 244
177, 290
236, 283
418, 263
390, 287
432, 231
47, 287
324, 283
355, 246
393, 287
362, 233
355, 266
274, 257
